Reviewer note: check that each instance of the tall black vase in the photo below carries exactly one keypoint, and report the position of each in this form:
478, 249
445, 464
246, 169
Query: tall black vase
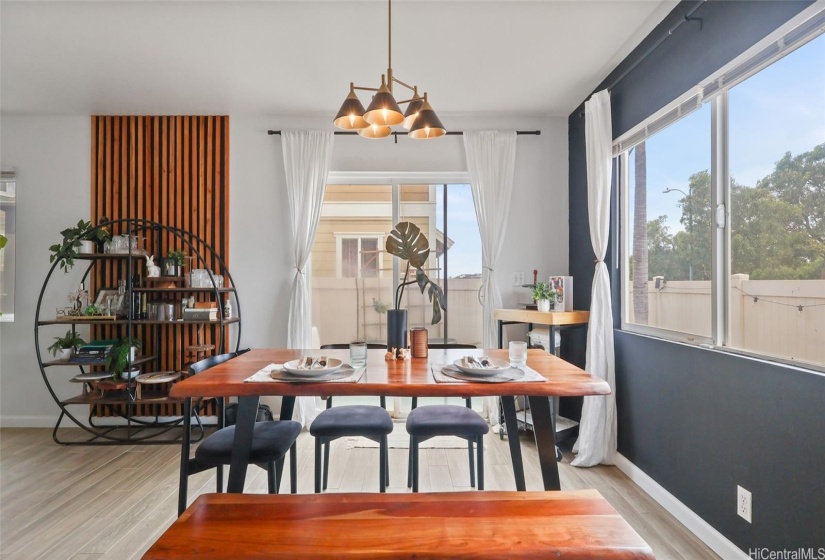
396, 328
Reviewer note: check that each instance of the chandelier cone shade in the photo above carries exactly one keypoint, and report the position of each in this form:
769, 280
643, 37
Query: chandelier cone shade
375, 131
427, 124
384, 110
412, 111
350, 116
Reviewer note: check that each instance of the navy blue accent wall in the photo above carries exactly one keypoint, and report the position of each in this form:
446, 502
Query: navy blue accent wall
699, 421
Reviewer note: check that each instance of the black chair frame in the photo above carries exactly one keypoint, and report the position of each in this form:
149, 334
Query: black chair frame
191, 465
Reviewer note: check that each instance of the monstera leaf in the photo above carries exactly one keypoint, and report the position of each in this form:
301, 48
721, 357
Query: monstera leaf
407, 242
435, 293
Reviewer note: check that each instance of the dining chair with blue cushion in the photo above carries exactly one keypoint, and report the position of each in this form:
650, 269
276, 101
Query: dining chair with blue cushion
369, 421
270, 442
446, 420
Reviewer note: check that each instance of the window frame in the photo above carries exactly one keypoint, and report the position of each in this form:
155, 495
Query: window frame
8, 196
339, 252
795, 34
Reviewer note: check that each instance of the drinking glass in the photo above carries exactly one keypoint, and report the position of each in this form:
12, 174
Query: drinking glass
518, 353
358, 354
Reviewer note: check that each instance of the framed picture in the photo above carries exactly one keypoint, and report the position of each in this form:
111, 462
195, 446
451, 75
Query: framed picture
109, 300
169, 266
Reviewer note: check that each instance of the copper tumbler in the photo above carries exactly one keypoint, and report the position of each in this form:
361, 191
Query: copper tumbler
419, 340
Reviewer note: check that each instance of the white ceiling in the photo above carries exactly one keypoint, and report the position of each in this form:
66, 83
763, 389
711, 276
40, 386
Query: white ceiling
298, 57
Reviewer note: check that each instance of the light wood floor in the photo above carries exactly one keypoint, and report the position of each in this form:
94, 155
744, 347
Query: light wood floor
114, 502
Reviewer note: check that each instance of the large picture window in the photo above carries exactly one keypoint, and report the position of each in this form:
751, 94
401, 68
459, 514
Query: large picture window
723, 229
669, 228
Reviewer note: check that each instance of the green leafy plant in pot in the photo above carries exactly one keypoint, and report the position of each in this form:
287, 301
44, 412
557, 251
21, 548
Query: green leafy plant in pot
411, 246
73, 237
66, 344
118, 358
543, 294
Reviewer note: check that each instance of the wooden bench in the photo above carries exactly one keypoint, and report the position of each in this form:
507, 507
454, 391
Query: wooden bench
579, 524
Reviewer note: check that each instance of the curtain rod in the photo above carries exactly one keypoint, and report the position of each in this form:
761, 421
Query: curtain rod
656, 45
397, 134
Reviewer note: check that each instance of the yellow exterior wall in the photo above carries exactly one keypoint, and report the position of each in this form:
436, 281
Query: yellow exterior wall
324, 247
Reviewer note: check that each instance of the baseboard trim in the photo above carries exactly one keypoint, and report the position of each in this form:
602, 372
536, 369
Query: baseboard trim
715, 540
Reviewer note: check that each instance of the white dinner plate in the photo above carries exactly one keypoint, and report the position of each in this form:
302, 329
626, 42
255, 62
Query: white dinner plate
333, 364
498, 366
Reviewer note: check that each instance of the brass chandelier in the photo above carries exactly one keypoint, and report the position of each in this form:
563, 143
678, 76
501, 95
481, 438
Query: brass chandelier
384, 111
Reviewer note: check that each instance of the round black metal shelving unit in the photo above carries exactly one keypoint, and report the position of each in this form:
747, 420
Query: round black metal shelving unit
122, 404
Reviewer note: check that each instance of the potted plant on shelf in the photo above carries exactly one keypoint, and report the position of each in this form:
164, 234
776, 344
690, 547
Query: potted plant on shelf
411, 246
543, 294
121, 355
64, 346
76, 241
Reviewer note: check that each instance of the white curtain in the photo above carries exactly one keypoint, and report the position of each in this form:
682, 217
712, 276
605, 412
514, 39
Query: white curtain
597, 431
307, 154
491, 160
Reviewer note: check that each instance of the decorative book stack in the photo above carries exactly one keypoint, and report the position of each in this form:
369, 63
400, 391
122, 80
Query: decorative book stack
203, 311
94, 351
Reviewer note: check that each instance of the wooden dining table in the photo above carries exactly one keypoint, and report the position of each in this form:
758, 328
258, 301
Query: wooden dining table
392, 378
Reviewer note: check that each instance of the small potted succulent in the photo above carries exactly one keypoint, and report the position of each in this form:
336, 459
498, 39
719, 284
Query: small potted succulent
64, 346
543, 294
121, 356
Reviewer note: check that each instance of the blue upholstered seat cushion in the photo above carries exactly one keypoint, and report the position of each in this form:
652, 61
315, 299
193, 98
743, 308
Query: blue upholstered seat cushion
270, 442
445, 420
354, 420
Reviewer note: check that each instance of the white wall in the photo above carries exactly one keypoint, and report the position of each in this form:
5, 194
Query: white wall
51, 155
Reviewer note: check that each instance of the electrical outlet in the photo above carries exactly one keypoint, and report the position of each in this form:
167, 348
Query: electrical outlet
518, 279
743, 503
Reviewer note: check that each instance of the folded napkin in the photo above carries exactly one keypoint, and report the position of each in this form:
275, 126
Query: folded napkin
276, 372
448, 373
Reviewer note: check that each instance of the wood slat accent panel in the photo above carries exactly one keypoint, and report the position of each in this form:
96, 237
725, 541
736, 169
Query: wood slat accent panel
172, 170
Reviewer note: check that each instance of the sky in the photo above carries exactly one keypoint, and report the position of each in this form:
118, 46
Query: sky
780, 109
462, 227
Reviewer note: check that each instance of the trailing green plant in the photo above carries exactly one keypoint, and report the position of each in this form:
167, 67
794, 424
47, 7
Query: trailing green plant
179, 256
543, 291
118, 357
408, 244
70, 340
66, 252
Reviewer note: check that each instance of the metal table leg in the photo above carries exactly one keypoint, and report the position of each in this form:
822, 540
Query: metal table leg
244, 427
508, 405
545, 441
185, 446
